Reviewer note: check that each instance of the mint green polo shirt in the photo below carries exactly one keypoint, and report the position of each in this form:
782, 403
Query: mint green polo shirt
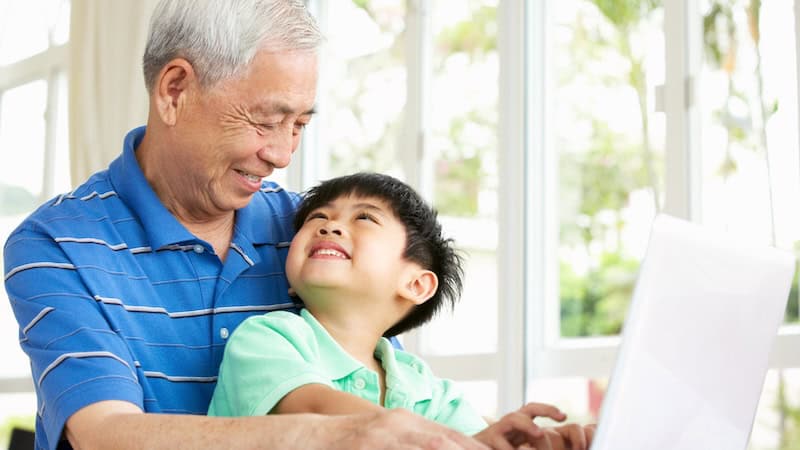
270, 355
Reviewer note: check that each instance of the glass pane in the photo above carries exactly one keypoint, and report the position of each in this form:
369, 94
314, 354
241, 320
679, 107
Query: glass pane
482, 395
27, 28
777, 422
60, 20
579, 397
363, 86
748, 98
607, 58
22, 130
362, 100
464, 142
61, 168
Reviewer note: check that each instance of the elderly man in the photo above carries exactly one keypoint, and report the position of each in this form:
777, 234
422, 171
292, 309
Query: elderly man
127, 288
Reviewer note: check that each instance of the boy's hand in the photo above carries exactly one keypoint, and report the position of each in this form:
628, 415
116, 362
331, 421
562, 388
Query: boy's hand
565, 437
517, 429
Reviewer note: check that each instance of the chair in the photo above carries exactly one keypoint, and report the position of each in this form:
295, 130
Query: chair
21, 439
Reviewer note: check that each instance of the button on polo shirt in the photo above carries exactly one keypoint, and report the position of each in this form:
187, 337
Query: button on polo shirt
270, 355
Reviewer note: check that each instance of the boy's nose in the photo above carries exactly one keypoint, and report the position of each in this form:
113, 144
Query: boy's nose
329, 229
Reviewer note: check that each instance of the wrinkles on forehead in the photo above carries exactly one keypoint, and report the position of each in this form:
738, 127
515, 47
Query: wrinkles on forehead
279, 108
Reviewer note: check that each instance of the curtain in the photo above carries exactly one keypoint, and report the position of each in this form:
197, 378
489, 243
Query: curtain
107, 96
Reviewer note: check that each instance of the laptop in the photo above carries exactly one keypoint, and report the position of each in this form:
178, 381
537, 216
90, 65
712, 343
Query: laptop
695, 344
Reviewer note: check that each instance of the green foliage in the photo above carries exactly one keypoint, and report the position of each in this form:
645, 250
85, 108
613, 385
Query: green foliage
476, 34
625, 13
594, 304
457, 186
792, 313
607, 173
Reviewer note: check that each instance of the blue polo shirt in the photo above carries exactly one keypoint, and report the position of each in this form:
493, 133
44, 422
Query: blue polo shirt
116, 300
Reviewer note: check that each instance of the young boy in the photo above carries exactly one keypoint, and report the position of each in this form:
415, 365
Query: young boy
368, 261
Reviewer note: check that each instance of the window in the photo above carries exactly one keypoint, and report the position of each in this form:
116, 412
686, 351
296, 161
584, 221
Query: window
550, 177
409, 88
688, 108
33, 113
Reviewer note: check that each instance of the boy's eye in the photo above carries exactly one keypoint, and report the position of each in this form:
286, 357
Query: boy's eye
366, 216
316, 215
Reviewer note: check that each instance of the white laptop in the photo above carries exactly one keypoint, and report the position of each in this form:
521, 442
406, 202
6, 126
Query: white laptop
695, 343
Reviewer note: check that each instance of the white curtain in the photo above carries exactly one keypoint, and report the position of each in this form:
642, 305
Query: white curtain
107, 96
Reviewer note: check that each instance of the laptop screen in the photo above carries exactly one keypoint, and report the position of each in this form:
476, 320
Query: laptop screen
695, 343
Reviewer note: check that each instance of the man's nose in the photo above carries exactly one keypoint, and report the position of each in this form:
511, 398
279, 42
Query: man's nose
279, 147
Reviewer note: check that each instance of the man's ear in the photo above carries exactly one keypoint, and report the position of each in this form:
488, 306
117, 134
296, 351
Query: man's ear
419, 287
171, 89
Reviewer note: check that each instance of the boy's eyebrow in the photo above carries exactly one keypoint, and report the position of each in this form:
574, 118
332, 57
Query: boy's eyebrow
366, 205
360, 205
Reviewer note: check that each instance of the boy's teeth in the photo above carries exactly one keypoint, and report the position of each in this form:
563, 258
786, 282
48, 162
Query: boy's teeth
330, 252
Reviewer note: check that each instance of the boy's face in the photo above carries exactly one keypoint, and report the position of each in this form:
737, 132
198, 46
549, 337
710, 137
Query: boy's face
352, 246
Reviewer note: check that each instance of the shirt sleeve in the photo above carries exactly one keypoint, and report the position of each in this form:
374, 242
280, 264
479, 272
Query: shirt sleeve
76, 357
450, 408
265, 358
443, 401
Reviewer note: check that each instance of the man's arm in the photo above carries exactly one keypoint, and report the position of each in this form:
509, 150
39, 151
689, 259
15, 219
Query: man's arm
121, 425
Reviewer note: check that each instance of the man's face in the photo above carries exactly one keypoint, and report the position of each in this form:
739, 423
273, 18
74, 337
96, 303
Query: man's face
352, 246
235, 133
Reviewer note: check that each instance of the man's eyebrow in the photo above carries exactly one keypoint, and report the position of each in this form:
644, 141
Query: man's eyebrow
283, 108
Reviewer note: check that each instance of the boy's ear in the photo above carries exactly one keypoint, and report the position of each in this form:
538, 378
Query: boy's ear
419, 287
170, 90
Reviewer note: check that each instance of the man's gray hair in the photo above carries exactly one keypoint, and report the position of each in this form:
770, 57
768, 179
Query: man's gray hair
221, 37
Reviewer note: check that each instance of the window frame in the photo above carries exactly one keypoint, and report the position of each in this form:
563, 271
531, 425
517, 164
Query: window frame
49, 65
547, 354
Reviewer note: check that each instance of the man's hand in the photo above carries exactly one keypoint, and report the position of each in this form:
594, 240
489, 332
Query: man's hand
122, 425
517, 430
390, 429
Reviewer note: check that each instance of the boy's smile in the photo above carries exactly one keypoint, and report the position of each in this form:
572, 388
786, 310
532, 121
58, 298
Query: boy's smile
351, 248
328, 250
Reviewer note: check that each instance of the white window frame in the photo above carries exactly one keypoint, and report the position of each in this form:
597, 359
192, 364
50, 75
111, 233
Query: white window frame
48, 65
529, 341
547, 354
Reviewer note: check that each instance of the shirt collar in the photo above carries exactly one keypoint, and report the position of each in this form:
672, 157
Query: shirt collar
160, 226
335, 361
253, 221
403, 374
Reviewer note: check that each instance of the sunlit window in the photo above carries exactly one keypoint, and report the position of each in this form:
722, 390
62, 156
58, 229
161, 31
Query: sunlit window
34, 162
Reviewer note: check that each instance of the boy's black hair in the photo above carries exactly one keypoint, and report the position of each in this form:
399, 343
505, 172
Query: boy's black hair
425, 244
